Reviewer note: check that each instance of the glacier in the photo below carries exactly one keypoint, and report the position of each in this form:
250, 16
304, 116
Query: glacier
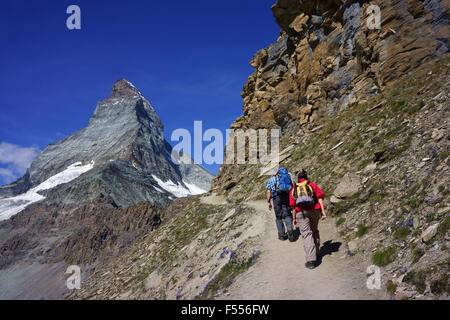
13, 205
178, 190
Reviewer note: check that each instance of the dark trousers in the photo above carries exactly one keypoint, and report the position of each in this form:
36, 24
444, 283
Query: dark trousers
282, 212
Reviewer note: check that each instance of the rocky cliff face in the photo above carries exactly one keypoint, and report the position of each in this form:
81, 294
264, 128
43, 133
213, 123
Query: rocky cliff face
89, 196
326, 58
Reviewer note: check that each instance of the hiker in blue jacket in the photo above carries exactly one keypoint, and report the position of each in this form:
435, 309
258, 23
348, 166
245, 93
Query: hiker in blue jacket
278, 187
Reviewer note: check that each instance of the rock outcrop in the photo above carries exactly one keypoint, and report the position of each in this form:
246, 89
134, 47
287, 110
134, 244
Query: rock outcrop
327, 58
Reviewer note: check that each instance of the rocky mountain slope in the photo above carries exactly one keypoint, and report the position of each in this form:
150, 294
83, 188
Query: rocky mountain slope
387, 197
91, 195
365, 112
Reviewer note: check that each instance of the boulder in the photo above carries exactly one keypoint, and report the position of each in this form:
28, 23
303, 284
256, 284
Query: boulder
334, 199
348, 186
352, 246
370, 167
430, 232
229, 215
437, 134
405, 294
313, 92
416, 222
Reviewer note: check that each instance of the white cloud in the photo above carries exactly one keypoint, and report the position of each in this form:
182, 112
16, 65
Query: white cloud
17, 160
7, 174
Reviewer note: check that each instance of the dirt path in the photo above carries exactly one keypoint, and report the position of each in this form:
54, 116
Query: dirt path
280, 272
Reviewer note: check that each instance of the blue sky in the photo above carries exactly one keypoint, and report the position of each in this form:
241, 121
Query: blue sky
189, 58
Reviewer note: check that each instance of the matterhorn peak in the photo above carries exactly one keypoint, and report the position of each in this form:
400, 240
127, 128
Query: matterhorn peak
124, 88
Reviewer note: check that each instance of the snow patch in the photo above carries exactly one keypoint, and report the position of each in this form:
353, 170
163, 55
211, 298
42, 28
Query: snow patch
175, 189
178, 190
12, 206
194, 189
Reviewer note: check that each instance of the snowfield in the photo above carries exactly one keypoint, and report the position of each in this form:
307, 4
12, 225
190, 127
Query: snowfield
12, 206
178, 190
194, 189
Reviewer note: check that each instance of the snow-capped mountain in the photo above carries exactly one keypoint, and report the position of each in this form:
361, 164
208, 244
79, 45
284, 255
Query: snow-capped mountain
88, 197
125, 140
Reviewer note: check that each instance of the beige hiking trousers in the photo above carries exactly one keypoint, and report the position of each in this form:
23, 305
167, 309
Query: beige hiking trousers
308, 222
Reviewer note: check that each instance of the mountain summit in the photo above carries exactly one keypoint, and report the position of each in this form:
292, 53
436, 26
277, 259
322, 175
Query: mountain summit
123, 88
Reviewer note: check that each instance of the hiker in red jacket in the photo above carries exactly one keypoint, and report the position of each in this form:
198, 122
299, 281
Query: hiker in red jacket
306, 199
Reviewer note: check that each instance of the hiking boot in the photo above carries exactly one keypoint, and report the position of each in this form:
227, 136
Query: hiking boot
290, 233
310, 265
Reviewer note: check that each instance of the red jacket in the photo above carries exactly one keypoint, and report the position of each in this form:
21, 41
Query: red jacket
319, 193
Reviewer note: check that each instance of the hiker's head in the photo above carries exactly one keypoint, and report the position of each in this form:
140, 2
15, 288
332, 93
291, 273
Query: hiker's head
302, 175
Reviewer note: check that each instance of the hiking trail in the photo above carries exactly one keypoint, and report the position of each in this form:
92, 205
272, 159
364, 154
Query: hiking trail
280, 273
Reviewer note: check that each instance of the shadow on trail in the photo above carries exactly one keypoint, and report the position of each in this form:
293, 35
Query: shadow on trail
327, 248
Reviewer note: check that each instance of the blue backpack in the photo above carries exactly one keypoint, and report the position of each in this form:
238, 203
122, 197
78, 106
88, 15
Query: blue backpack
284, 183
